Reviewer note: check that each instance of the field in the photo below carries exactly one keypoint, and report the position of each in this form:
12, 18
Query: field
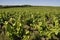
30, 23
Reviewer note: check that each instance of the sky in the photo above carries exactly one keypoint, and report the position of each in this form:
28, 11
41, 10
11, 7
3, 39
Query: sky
31, 2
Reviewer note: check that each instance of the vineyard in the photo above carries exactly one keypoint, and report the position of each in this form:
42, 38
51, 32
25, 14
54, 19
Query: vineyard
30, 23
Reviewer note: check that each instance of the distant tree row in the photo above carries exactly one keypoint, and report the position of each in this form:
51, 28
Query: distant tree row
2, 6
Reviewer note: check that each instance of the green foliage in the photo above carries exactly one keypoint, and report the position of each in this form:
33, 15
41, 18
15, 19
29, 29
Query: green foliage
30, 23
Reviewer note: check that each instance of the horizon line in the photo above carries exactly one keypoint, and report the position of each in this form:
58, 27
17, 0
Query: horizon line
25, 4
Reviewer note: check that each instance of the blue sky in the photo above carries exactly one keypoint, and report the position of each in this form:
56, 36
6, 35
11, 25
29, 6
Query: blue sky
31, 2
